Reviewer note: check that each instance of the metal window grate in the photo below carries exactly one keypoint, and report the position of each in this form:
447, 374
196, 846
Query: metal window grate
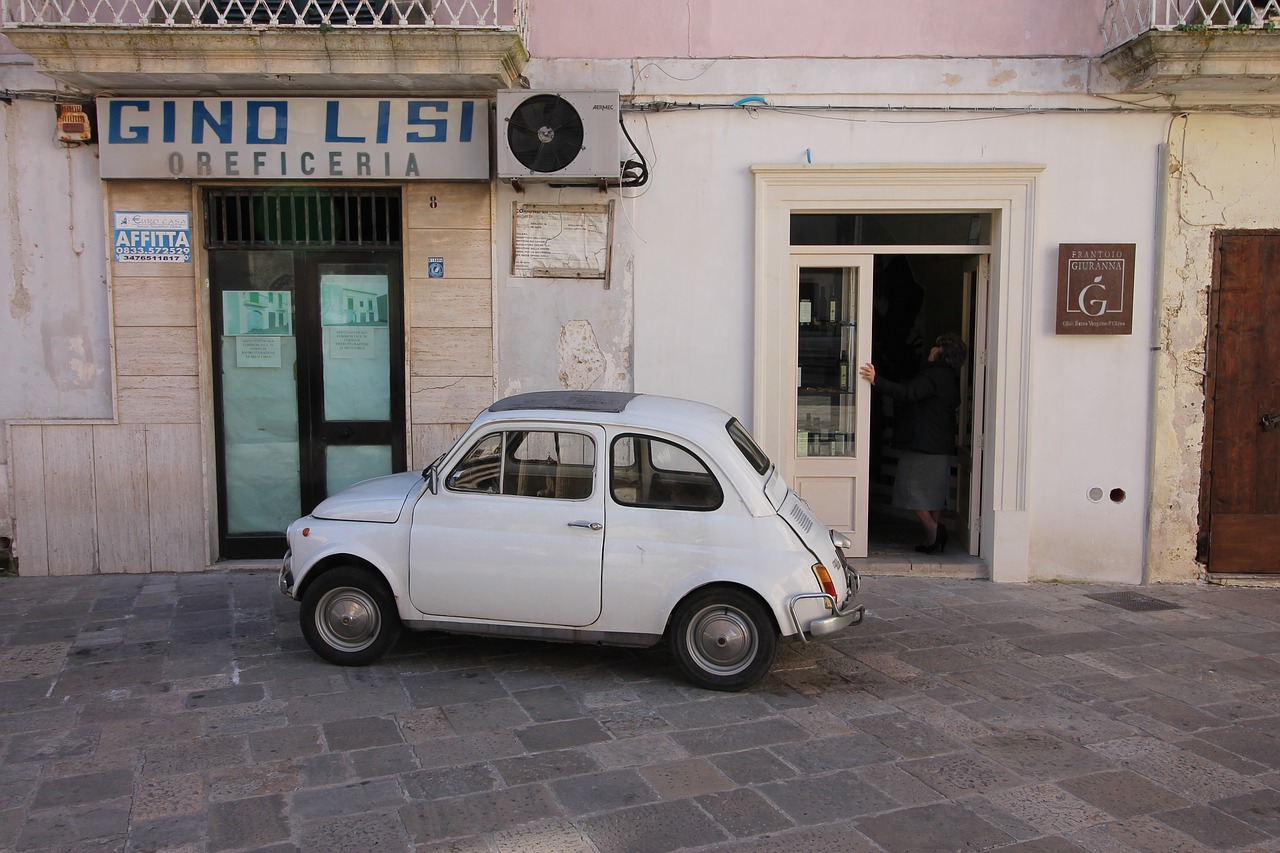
1133, 601
250, 218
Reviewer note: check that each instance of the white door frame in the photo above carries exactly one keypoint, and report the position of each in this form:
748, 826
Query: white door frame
1008, 192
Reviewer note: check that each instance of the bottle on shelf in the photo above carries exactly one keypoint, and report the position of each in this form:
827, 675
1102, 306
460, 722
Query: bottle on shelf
844, 370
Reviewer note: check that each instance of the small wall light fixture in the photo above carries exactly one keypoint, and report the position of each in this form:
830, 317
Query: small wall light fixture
73, 123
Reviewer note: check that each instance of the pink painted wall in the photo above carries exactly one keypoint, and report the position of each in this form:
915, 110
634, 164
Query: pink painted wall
609, 29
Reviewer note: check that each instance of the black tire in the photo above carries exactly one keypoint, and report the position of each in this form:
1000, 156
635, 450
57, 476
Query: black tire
349, 616
723, 639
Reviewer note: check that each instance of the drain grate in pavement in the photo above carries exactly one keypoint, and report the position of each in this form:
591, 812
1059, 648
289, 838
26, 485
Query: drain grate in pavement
1133, 601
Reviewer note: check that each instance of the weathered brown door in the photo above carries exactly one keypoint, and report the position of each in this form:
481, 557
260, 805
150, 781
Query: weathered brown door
1240, 500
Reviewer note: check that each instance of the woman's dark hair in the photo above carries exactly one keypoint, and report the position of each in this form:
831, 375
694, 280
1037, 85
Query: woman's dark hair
951, 350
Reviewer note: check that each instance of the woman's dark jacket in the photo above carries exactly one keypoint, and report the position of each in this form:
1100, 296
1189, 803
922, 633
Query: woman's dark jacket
925, 420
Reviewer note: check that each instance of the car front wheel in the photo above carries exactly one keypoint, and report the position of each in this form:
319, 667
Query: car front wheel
723, 639
349, 617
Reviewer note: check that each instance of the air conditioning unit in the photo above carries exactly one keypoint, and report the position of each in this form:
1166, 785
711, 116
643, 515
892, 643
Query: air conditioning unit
565, 137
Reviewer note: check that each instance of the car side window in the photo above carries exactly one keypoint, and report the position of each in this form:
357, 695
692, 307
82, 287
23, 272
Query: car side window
528, 463
651, 472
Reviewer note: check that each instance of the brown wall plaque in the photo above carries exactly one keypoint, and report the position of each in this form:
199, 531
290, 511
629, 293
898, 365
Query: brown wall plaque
1095, 288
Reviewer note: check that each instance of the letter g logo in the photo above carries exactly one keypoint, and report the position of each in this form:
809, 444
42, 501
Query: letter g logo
1092, 307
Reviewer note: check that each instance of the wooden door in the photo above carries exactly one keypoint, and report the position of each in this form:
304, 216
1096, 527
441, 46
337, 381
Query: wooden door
1240, 499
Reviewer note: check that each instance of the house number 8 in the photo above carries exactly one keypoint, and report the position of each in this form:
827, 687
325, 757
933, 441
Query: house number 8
434, 203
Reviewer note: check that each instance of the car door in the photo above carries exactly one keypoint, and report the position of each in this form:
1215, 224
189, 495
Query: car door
515, 530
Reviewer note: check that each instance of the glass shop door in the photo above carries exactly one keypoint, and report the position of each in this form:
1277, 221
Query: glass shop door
829, 460
308, 365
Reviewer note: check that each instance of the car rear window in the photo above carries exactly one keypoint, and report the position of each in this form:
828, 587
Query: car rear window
653, 473
748, 446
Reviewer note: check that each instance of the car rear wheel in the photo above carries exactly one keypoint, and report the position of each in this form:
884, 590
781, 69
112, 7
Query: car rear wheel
349, 616
723, 639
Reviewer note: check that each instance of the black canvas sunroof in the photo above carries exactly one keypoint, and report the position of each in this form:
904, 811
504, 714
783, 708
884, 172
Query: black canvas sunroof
571, 401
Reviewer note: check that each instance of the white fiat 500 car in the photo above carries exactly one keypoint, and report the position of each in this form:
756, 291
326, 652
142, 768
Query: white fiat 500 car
592, 517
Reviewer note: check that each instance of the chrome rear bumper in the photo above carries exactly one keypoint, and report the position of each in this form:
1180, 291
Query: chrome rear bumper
842, 616
825, 625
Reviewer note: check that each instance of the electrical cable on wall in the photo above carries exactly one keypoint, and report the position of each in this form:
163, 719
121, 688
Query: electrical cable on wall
634, 173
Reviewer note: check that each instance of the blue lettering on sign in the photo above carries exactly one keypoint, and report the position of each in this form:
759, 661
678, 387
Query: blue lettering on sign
425, 121
384, 121
253, 133
138, 133
416, 119
331, 125
201, 117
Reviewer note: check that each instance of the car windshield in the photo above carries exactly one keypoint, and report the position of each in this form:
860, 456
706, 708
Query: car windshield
748, 446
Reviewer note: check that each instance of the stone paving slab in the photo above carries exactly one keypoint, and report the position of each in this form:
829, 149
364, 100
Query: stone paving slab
185, 713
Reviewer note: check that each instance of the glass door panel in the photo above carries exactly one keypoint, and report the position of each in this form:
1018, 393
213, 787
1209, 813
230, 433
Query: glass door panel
258, 391
826, 335
356, 357
830, 408
356, 345
351, 464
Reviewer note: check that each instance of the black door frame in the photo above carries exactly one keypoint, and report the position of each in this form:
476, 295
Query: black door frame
356, 240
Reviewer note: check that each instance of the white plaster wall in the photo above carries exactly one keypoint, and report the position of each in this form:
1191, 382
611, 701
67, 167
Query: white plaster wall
1222, 175
54, 341
559, 333
1089, 412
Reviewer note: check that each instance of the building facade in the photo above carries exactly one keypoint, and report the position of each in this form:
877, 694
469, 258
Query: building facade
300, 252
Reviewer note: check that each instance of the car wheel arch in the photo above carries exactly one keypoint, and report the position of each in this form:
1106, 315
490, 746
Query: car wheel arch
721, 584
337, 561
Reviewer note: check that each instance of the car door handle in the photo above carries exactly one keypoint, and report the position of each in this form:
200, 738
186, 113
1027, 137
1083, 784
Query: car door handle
589, 525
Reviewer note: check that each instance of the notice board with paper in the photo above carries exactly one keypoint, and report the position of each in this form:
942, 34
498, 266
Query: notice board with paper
562, 241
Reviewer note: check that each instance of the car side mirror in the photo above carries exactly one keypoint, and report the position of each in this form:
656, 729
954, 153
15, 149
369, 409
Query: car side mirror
432, 475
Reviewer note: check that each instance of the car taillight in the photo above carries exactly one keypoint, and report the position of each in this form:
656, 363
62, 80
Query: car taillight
824, 580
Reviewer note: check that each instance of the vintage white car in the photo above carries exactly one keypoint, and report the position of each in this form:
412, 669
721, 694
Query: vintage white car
591, 517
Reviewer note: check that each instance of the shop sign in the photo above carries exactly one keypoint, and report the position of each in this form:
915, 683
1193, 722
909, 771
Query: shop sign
149, 237
1095, 288
294, 138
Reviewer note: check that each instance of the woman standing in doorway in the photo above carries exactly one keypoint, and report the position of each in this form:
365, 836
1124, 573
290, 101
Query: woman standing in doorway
924, 429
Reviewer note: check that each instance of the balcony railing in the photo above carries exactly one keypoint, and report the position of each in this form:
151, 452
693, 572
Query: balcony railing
1125, 20
511, 15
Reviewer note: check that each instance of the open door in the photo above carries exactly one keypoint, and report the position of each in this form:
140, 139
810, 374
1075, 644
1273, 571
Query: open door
977, 272
828, 463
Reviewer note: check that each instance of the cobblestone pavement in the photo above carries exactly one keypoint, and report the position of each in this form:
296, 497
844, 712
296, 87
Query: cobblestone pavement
184, 712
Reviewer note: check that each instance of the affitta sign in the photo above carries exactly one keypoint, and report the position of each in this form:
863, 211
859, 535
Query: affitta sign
294, 138
151, 236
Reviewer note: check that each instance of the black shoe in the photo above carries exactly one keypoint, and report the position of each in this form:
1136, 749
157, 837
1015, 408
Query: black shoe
939, 542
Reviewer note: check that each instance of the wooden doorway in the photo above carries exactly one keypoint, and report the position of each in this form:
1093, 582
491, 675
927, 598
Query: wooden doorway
1240, 491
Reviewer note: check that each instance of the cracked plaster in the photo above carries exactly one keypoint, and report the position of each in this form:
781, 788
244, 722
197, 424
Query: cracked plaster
1222, 175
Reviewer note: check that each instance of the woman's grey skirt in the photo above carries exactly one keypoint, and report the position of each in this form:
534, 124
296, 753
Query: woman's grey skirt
922, 480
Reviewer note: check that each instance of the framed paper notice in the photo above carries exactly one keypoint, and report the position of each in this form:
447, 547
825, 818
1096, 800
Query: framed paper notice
562, 240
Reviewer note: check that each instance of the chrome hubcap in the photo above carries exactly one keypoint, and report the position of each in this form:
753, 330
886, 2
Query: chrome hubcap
348, 619
721, 640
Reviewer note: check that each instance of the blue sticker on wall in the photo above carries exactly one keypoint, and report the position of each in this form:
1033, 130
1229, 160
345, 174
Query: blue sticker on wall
435, 267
